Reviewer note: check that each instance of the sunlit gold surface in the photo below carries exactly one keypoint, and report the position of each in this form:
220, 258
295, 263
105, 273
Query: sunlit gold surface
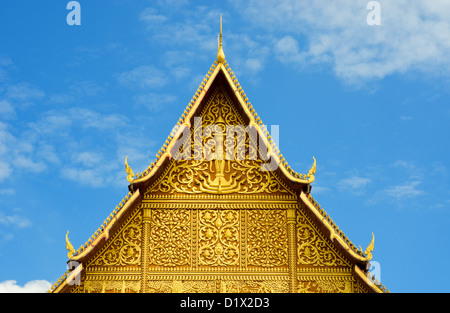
192, 223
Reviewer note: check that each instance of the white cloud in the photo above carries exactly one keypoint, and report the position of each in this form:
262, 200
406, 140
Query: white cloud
14, 220
76, 91
404, 191
25, 163
317, 189
353, 183
24, 92
34, 286
152, 101
5, 170
413, 35
7, 192
6, 109
144, 76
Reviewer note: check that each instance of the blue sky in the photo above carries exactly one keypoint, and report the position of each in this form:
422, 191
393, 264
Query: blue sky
370, 102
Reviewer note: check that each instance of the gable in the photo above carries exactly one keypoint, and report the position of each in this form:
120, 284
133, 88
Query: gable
219, 154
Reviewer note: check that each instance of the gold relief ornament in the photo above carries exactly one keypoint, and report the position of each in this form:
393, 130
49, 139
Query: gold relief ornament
170, 238
325, 286
129, 171
219, 238
69, 247
125, 247
267, 238
312, 172
312, 248
369, 249
248, 286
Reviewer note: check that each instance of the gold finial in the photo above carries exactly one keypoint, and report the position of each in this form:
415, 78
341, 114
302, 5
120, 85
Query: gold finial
312, 172
129, 171
69, 247
369, 249
220, 54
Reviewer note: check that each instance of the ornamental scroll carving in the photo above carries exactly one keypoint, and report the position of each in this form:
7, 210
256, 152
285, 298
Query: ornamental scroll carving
112, 286
125, 246
222, 286
205, 163
178, 286
219, 237
325, 286
267, 286
267, 238
170, 238
312, 247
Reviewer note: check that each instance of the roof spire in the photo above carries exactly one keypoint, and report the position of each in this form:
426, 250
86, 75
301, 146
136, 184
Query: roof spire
220, 54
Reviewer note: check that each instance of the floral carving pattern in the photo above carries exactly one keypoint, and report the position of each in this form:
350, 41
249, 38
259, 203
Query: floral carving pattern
267, 238
125, 247
219, 237
170, 238
312, 248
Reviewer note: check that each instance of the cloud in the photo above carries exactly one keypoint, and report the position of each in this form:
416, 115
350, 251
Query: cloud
6, 108
24, 92
7, 192
14, 220
353, 183
144, 76
404, 191
152, 101
5, 170
33, 286
413, 36
76, 91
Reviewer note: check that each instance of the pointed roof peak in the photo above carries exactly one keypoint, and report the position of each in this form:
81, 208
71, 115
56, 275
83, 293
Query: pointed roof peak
220, 53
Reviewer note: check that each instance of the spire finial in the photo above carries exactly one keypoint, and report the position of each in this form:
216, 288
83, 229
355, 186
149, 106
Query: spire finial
220, 54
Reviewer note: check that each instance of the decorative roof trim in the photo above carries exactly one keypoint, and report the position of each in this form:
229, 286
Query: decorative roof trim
335, 233
65, 278
255, 121
367, 280
103, 231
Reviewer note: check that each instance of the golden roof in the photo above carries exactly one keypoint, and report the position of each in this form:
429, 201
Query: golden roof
134, 196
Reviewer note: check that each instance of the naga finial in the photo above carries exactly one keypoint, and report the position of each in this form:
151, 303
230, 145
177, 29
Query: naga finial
220, 53
369, 249
129, 171
69, 247
312, 172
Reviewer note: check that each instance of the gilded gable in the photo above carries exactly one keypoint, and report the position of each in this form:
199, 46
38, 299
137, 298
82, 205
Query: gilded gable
219, 154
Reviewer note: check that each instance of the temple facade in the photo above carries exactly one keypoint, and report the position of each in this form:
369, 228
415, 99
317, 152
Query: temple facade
218, 211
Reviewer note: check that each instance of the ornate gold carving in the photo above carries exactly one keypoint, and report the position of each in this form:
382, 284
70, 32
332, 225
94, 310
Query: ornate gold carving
267, 238
267, 286
312, 172
218, 238
178, 286
239, 176
325, 286
312, 247
125, 247
170, 238
112, 286
206, 167
129, 171
69, 247
369, 249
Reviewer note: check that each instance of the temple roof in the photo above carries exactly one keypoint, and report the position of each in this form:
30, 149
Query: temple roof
220, 71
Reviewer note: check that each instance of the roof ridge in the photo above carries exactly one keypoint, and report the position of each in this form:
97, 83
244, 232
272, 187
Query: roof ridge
254, 120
